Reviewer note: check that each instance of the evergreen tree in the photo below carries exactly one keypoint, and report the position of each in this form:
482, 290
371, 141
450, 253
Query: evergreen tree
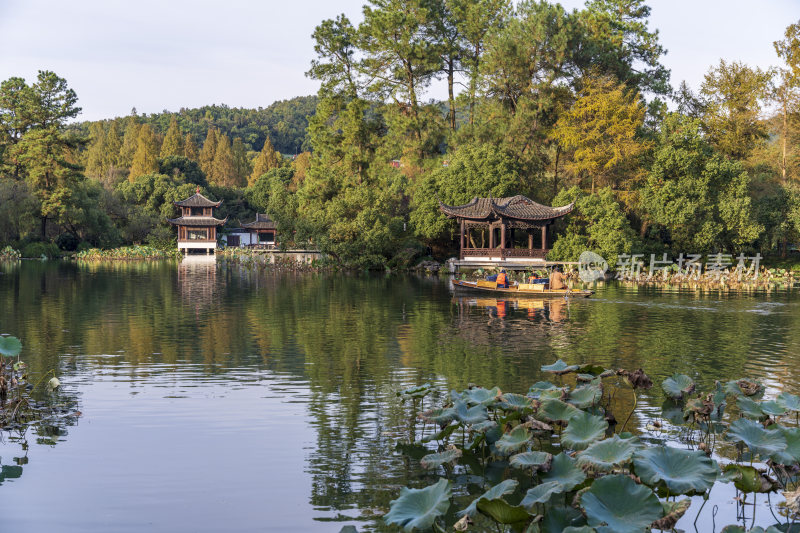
208, 152
96, 151
172, 144
129, 141
601, 131
267, 159
240, 162
190, 149
223, 169
734, 94
145, 160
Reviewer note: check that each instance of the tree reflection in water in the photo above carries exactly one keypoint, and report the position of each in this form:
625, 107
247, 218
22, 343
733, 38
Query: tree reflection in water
354, 340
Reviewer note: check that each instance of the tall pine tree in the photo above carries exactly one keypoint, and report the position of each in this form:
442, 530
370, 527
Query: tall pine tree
267, 159
223, 169
240, 162
129, 141
95, 153
190, 149
172, 140
145, 160
208, 152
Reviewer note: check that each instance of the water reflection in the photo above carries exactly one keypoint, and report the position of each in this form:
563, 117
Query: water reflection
279, 391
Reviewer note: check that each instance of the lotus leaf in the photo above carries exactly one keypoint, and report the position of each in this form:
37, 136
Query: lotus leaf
434, 460
419, 508
537, 460
636, 379
503, 512
484, 426
617, 504
553, 410
790, 402
678, 386
791, 454
559, 517
761, 441
438, 416
541, 493
682, 471
514, 440
416, 392
585, 396
585, 377
744, 387
504, 487
471, 415
581, 529
441, 435
589, 368
515, 402
698, 409
348, 529
583, 429
748, 479
773, 408
10, 346
553, 394
673, 511
606, 454
749, 408
559, 368
480, 396
541, 385
564, 471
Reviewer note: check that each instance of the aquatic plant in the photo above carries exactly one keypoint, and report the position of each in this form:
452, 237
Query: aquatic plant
127, 253
8, 253
555, 460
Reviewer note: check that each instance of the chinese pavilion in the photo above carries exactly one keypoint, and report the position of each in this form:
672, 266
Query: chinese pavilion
197, 227
504, 219
262, 231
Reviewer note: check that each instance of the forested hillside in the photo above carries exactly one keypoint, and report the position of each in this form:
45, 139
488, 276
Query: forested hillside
557, 105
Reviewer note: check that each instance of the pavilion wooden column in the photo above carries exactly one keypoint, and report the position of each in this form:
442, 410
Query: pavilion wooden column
530, 239
491, 236
502, 236
544, 237
461, 249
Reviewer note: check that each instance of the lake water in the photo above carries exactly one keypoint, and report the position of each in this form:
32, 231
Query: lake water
217, 399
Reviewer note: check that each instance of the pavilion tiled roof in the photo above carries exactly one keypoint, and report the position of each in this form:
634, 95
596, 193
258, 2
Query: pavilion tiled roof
517, 207
197, 221
197, 200
261, 222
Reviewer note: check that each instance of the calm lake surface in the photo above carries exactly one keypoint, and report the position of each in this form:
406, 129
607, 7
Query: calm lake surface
217, 399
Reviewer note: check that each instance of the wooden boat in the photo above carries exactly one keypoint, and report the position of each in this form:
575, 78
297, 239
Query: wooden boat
528, 289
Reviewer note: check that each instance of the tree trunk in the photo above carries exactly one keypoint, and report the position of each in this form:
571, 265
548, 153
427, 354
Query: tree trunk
555, 176
44, 228
451, 67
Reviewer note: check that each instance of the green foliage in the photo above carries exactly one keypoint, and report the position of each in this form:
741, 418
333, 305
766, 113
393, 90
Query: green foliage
699, 197
597, 224
419, 508
473, 171
35, 250
682, 471
617, 504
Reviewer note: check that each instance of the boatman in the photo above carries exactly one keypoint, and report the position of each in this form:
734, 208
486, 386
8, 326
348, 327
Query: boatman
502, 280
556, 279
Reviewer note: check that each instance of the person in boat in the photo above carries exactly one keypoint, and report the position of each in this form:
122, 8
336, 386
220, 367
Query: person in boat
557, 279
502, 279
535, 278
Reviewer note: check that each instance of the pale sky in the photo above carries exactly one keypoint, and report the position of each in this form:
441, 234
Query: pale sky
168, 54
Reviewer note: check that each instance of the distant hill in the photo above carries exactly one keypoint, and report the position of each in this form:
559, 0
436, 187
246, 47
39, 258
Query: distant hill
285, 122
